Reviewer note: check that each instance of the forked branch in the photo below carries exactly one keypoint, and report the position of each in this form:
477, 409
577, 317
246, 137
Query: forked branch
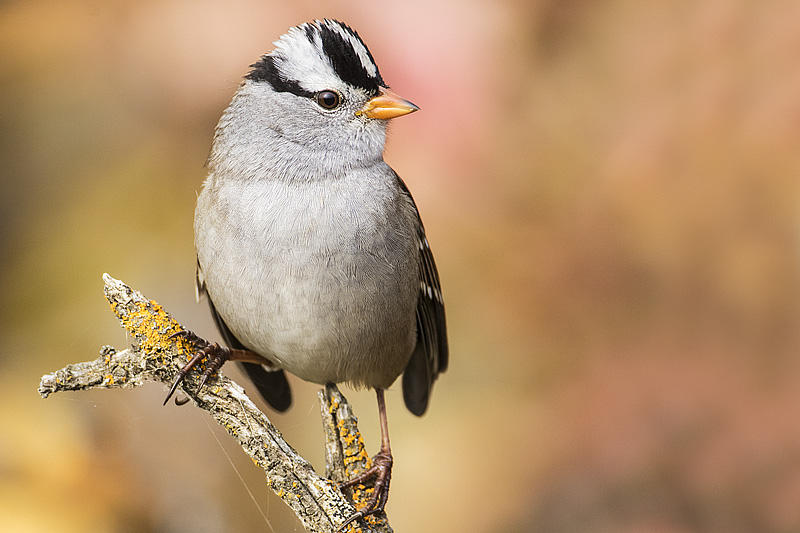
154, 356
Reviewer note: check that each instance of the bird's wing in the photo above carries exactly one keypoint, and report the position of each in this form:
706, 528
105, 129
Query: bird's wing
272, 385
199, 282
430, 355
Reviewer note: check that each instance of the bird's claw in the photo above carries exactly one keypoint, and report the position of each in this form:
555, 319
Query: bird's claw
381, 470
190, 336
216, 354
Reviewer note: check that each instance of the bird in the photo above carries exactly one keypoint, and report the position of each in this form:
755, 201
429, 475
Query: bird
310, 248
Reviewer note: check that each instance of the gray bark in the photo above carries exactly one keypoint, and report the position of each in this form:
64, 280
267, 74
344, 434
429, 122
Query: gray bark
153, 356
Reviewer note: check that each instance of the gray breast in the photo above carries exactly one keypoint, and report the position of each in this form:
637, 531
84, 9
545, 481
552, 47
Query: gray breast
319, 277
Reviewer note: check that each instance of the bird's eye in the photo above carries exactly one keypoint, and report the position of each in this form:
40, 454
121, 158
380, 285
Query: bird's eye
328, 99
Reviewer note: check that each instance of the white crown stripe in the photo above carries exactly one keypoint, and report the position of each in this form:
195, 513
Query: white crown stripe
308, 66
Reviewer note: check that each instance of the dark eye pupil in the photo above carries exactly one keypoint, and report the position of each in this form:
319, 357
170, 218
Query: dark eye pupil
328, 99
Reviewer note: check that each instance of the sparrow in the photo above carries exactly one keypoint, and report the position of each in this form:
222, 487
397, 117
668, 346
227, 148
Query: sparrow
310, 248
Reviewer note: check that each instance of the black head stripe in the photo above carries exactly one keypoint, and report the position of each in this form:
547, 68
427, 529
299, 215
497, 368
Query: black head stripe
309, 29
265, 70
355, 34
345, 60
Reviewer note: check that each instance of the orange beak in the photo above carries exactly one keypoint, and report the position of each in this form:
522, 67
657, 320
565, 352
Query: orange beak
387, 105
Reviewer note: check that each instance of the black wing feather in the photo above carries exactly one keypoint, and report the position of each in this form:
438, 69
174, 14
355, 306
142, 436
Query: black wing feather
430, 356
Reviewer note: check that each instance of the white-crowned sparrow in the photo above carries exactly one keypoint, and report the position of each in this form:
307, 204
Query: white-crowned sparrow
309, 246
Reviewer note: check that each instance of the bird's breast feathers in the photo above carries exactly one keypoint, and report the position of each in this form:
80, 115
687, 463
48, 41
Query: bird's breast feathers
300, 269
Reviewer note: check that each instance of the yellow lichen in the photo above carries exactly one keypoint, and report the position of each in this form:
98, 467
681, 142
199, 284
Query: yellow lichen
334, 405
152, 326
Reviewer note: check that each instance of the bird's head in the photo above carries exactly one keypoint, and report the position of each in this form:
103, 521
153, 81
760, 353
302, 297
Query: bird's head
321, 91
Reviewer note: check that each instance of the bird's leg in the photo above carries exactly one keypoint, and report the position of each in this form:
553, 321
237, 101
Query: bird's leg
216, 354
381, 470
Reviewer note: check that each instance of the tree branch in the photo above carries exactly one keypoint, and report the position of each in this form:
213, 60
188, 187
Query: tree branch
153, 356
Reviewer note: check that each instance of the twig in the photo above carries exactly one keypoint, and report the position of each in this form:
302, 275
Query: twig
153, 356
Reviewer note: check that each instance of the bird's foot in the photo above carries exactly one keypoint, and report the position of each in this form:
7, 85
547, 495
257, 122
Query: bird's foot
381, 470
216, 354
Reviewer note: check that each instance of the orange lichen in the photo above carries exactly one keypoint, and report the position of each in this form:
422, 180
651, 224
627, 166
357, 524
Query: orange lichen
355, 463
334, 405
151, 325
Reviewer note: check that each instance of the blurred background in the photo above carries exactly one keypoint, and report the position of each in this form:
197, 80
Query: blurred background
611, 190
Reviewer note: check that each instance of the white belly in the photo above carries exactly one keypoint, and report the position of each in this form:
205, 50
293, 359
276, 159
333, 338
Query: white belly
307, 277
